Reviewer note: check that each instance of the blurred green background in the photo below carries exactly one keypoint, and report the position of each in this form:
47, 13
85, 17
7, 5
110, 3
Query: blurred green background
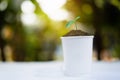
30, 30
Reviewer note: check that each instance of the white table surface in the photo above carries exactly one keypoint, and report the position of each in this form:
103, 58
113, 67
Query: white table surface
53, 71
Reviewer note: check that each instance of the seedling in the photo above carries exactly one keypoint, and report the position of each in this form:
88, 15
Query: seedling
72, 22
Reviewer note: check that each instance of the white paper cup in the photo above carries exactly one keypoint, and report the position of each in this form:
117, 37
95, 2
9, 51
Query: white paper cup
77, 52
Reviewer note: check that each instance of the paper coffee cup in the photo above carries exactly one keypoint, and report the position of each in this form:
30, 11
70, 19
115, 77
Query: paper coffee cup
77, 51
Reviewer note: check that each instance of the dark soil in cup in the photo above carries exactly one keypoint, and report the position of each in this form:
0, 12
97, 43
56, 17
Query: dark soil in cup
77, 33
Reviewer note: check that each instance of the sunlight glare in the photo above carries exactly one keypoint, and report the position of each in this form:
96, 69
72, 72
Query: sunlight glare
59, 15
53, 9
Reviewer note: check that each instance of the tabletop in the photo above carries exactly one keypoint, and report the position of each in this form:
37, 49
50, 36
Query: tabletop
53, 71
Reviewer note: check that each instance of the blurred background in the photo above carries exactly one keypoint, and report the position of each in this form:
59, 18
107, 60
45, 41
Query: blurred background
30, 30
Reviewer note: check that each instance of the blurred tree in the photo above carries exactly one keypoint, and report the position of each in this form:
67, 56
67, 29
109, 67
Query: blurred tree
11, 16
2, 24
18, 40
2, 41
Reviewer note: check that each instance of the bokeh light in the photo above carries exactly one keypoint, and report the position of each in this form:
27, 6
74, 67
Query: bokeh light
27, 7
3, 5
28, 17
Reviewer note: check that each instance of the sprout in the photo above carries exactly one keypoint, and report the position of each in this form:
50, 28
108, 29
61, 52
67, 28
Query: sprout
72, 22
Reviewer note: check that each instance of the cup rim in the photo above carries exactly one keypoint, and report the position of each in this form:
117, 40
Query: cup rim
78, 37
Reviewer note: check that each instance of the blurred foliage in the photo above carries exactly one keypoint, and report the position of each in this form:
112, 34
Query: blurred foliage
28, 44
39, 42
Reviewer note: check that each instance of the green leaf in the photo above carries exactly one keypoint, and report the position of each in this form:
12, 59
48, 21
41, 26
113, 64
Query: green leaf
77, 18
70, 23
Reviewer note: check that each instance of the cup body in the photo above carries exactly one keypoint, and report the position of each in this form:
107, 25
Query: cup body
77, 53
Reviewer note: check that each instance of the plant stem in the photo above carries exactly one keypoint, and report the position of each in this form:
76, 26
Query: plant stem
75, 25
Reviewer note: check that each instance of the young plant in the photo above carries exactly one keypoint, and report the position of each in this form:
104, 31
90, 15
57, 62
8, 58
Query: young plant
72, 22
